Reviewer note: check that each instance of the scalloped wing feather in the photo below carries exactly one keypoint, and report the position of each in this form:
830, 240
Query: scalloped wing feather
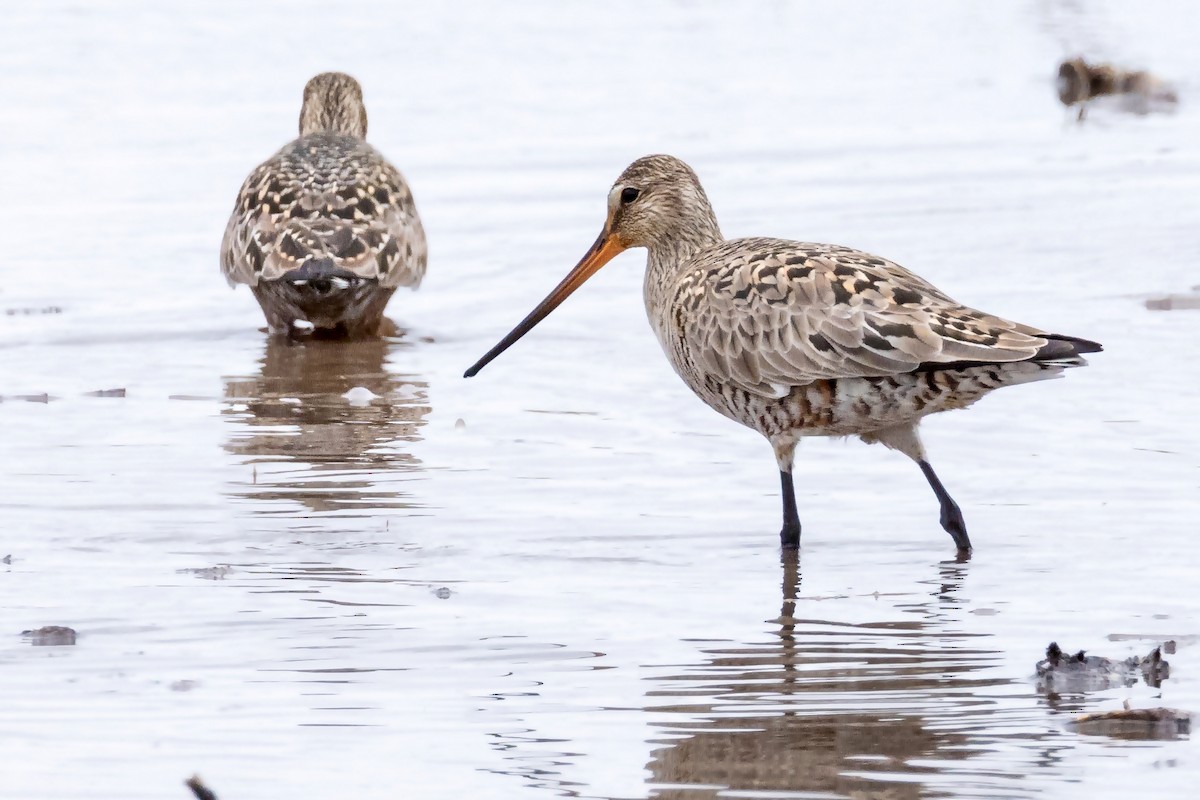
325, 196
770, 314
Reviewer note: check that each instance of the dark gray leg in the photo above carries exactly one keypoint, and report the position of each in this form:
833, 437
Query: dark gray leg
789, 537
952, 518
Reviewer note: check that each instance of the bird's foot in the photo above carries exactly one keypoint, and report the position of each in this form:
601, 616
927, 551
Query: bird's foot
956, 526
789, 537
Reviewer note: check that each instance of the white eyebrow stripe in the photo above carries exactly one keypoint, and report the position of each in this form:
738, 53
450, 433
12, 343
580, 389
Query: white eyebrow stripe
614, 196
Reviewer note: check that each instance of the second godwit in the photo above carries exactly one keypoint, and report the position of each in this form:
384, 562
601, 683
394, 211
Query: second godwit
326, 229
795, 339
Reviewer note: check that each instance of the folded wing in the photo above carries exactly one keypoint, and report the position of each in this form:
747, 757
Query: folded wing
769, 315
320, 198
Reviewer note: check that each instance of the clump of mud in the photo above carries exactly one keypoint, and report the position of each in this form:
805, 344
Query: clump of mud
1079, 672
1136, 723
1137, 91
198, 788
50, 636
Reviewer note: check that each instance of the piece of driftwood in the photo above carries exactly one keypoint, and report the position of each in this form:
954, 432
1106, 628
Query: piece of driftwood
1136, 723
1140, 92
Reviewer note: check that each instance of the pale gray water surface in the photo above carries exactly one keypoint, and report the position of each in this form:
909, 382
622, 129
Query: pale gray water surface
562, 577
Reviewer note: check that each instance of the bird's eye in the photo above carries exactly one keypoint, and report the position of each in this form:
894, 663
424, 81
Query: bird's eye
628, 195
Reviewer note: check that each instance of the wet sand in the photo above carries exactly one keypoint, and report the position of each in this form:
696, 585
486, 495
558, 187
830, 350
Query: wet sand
562, 578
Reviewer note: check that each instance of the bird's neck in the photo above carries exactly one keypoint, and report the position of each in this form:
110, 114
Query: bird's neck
337, 120
669, 258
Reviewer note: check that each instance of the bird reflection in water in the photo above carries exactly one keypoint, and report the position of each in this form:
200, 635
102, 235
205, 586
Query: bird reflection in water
865, 710
328, 426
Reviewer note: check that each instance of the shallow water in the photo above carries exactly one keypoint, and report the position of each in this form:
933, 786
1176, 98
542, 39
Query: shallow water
562, 577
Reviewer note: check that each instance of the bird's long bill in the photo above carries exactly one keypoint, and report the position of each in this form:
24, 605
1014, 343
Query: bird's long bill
600, 253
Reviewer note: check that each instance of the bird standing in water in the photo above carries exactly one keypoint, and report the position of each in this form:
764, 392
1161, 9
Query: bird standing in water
795, 339
326, 229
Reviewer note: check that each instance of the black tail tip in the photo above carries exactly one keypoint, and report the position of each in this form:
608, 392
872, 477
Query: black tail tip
1066, 347
1084, 345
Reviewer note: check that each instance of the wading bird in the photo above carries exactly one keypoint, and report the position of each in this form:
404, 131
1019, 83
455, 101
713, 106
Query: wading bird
326, 229
795, 339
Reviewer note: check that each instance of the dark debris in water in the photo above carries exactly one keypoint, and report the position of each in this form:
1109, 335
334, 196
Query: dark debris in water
1080, 82
1079, 672
50, 636
198, 788
1136, 723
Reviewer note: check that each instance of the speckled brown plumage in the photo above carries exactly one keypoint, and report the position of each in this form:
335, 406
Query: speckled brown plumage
325, 230
797, 339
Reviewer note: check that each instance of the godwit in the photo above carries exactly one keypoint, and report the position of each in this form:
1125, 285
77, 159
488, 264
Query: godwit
795, 339
325, 230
